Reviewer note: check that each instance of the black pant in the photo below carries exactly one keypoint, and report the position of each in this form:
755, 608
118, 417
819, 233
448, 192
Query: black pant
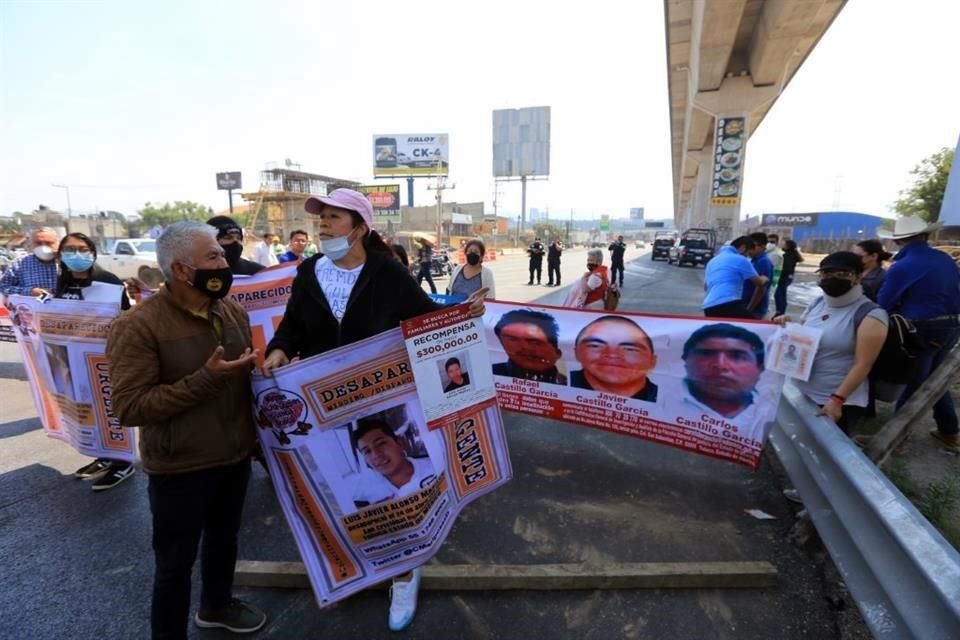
184, 506
553, 268
536, 266
616, 266
733, 309
425, 273
850, 417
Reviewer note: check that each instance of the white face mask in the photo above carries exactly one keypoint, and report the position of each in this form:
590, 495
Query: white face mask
771, 246
44, 253
336, 248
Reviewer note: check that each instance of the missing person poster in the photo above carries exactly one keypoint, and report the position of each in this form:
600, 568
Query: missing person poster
63, 344
369, 491
264, 297
695, 384
6, 325
451, 364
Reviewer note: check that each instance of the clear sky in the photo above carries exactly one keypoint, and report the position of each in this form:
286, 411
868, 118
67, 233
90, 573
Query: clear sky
134, 101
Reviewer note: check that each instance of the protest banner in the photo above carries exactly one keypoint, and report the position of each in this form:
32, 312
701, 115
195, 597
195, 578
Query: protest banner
368, 490
6, 325
63, 344
264, 297
448, 354
699, 385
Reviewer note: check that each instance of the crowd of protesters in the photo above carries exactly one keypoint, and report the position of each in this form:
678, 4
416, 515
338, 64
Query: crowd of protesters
181, 355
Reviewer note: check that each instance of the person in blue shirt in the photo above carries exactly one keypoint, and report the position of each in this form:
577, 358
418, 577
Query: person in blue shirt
298, 247
35, 273
756, 297
923, 285
725, 277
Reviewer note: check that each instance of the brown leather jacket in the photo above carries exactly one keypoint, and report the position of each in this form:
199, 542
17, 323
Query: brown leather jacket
189, 418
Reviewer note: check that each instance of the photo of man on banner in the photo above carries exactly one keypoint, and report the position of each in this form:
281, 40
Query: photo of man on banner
531, 341
455, 375
388, 471
723, 362
616, 356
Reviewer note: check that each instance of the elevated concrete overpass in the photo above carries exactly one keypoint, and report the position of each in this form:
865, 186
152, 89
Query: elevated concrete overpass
729, 59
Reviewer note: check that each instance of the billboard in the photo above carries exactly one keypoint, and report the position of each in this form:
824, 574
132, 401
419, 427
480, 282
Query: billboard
729, 140
385, 199
790, 219
604, 223
521, 142
413, 154
636, 213
228, 180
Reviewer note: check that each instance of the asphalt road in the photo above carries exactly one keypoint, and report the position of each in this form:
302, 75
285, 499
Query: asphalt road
78, 564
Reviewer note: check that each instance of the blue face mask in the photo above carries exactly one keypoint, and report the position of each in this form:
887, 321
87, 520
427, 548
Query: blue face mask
77, 262
335, 248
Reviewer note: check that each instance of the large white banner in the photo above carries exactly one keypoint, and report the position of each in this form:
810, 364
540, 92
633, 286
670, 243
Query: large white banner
264, 297
698, 384
700, 399
368, 489
63, 344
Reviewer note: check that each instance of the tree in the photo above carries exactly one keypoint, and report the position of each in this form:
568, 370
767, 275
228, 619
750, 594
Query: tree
924, 198
168, 213
547, 231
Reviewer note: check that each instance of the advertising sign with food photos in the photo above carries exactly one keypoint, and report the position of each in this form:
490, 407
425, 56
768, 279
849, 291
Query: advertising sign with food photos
729, 143
385, 199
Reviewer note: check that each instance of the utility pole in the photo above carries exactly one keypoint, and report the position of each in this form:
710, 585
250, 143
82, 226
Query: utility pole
440, 187
67, 189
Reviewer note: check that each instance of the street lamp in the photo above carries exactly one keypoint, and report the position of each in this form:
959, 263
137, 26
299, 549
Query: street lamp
67, 189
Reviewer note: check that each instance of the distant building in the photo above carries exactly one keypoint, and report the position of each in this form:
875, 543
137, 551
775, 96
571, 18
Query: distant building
821, 231
278, 205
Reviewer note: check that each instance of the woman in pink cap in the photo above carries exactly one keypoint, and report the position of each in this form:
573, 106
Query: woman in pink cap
351, 290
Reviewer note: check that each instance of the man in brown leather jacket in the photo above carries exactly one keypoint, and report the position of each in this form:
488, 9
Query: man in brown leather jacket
180, 366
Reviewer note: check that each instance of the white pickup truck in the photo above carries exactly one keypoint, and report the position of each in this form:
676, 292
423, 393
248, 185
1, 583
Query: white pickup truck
125, 256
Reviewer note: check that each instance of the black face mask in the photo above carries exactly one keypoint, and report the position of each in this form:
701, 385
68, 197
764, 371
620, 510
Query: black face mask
591, 267
213, 282
473, 259
835, 287
233, 251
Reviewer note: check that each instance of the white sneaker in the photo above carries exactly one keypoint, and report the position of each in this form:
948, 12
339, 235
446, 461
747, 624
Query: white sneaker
403, 602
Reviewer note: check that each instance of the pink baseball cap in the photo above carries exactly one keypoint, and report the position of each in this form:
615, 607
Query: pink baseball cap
344, 199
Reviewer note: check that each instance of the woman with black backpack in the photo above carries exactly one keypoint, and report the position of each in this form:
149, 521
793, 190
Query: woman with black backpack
850, 343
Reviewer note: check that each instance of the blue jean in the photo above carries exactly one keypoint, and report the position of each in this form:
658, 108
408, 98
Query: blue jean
942, 337
780, 294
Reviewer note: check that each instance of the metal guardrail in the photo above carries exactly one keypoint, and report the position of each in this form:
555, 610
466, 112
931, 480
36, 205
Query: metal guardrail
903, 575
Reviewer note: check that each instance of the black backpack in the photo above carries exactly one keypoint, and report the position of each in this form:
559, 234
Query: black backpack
897, 359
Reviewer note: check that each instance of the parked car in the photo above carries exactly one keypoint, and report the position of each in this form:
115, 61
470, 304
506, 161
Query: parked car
125, 256
696, 246
661, 246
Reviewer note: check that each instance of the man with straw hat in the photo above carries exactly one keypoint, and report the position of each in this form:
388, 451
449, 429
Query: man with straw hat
923, 285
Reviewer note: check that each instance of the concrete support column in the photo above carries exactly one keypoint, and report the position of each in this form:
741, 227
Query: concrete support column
701, 193
736, 97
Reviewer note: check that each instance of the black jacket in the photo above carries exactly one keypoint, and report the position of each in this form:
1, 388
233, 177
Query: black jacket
245, 267
790, 260
67, 285
382, 298
617, 249
553, 253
